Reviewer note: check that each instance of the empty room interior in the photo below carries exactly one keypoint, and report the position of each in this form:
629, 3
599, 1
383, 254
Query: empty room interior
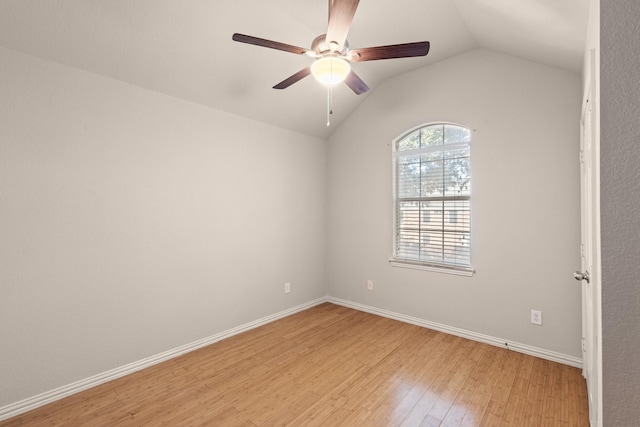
184, 243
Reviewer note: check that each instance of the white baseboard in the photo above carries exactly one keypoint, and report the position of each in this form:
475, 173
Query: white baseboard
34, 402
474, 336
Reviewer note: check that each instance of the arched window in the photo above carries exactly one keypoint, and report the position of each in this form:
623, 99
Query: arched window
432, 198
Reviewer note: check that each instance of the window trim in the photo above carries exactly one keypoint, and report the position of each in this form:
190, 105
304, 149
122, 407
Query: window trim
416, 264
458, 271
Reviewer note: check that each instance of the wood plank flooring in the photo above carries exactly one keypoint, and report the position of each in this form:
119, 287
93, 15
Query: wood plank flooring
333, 366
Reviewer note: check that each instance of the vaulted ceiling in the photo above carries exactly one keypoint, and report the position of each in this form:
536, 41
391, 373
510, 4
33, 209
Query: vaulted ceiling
184, 48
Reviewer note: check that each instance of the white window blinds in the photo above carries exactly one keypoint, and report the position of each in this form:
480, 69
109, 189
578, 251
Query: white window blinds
432, 208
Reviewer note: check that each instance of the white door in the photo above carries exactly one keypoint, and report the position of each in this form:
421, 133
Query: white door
590, 247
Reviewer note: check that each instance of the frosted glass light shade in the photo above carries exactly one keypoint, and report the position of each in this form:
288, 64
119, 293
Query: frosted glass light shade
330, 71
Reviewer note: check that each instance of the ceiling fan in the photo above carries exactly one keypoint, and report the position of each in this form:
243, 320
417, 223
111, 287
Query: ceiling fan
332, 53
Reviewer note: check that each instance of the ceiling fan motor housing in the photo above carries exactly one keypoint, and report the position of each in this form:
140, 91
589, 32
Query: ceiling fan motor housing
322, 48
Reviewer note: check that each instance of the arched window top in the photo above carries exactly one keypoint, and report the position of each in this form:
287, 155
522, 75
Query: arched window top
432, 134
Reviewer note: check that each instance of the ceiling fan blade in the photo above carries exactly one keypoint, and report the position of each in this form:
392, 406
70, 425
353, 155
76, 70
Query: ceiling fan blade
242, 38
293, 79
341, 14
356, 83
405, 50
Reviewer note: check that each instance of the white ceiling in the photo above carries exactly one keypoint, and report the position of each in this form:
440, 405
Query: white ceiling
184, 48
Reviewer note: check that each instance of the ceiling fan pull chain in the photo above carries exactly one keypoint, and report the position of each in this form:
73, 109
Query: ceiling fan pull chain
329, 106
331, 100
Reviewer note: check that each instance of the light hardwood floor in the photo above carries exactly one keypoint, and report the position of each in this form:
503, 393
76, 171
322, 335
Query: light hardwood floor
330, 366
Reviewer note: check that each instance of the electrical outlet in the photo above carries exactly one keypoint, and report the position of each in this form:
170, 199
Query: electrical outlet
370, 285
287, 288
536, 317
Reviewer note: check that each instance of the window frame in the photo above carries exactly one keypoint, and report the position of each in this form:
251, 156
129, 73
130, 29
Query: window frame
395, 261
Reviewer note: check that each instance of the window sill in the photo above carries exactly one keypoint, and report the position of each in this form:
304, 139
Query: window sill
458, 271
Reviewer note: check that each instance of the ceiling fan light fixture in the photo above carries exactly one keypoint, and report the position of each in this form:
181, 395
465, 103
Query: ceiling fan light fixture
330, 70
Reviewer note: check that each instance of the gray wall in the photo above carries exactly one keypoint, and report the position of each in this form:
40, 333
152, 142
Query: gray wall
124, 211
132, 223
526, 216
620, 209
